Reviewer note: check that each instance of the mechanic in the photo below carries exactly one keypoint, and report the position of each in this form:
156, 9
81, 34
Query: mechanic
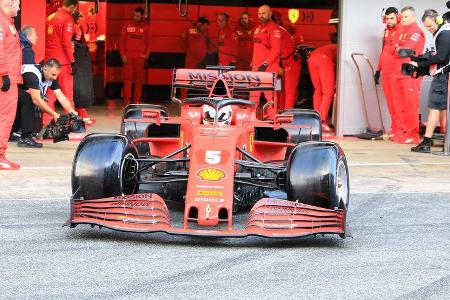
28, 38
244, 33
266, 54
290, 66
134, 48
386, 65
36, 80
322, 69
227, 41
10, 61
58, 44
437, 99
407, 91
195, 44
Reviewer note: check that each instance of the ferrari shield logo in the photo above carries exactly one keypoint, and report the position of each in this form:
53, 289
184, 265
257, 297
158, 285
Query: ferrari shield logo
293, 15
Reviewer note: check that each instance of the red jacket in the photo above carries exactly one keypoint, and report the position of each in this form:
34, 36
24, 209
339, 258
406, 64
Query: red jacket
10, 52
409, 37
227, 46
266, 46
244, 45
195, 45
134, 40
289, 44
327, 53
387, 57
58, 39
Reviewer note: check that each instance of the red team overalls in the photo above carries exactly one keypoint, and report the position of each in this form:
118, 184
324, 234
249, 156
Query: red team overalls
134, 46
227, 46
266, 48
407, 91
10, 61
291, 68
244, 47
321, 64
386, 65
196, 46
58, 44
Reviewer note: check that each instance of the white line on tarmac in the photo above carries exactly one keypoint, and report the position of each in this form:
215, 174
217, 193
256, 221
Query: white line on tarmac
36, 199
47, 168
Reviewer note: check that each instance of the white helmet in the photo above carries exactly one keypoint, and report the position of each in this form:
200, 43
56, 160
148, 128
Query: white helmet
224, 117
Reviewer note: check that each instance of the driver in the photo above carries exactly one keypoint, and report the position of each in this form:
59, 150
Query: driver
36, 80
224, 115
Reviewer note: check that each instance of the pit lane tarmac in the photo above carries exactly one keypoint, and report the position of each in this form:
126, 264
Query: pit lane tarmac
399, 214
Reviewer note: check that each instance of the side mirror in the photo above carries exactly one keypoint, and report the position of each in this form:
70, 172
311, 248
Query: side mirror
405, 52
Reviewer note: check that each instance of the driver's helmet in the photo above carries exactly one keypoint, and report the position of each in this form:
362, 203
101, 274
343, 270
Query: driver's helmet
224, 117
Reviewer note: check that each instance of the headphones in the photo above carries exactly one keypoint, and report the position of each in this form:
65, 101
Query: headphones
431, 13
390, 10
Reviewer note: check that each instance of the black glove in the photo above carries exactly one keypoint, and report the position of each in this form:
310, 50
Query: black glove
376, 77
6, 83
262, 67
74, 68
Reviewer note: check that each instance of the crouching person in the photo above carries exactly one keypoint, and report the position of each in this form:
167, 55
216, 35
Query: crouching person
36, 80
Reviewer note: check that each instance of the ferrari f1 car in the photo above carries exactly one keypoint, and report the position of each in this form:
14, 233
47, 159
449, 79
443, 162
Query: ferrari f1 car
219, 169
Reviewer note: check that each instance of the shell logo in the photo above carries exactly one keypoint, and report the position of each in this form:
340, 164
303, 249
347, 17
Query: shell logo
50, 29
211, 174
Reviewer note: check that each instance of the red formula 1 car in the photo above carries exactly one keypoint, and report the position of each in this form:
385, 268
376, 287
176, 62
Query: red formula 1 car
215, 170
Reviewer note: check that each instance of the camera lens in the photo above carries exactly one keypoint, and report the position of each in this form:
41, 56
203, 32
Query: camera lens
78, 127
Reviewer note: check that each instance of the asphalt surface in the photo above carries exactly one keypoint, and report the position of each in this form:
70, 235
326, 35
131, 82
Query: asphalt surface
400, 250
399, 215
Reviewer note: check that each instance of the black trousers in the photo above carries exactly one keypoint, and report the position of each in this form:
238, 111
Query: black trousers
26, 114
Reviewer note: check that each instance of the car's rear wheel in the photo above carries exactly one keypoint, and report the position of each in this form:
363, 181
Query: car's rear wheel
317, 174
105, 165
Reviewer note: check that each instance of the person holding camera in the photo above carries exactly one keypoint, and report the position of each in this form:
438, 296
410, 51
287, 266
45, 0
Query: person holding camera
386, 64
437, 99
407, 91
36, 80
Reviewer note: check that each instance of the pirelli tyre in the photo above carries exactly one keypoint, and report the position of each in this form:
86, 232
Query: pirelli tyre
104, 165
307, 117
137, 129
317, 174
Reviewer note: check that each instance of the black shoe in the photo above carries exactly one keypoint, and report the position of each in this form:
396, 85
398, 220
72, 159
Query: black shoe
14, 137
422, 148
28, 142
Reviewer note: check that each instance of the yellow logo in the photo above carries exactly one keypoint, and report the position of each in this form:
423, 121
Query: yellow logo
209, 193
50, 29
293, 15
181, 138
250, 142
211, 174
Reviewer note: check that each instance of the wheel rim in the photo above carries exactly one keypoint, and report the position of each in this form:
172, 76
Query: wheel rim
128, 174
342, 184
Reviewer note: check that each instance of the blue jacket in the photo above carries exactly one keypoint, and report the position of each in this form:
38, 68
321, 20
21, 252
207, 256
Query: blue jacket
27, 50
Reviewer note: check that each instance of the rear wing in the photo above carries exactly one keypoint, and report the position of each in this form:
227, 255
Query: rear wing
237, 81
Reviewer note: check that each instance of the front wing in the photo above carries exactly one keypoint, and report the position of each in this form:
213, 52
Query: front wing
269, 217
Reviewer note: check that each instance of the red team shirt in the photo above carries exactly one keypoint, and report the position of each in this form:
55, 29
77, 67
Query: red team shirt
267, 44
227, 46
58, 39
134, 40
